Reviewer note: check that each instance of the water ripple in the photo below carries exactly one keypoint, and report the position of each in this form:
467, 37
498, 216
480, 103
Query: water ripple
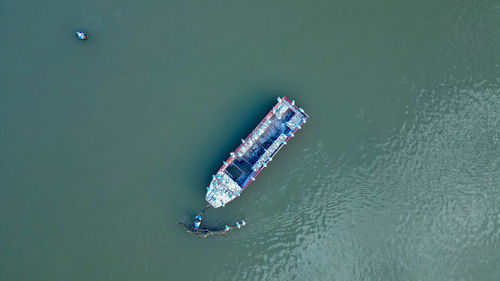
421, 207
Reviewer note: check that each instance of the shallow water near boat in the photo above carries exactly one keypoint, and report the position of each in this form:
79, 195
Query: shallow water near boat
107, 144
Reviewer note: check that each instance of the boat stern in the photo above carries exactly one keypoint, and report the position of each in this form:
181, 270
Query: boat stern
221, 190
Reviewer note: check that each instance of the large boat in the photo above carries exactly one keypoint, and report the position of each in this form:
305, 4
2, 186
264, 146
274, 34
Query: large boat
254, 152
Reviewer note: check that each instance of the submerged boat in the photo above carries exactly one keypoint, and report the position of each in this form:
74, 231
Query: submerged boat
207, 231
253, 154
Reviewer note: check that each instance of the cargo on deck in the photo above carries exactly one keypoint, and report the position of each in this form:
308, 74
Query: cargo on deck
255, 152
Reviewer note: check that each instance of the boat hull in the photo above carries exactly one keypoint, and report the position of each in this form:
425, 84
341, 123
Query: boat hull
255, 152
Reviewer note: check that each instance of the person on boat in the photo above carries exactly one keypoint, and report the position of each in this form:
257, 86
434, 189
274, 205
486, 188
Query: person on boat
82, 35
197, 221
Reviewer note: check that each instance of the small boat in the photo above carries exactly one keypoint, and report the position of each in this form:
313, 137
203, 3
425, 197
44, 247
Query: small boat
255, 152
82, 35
204, 231
208, 231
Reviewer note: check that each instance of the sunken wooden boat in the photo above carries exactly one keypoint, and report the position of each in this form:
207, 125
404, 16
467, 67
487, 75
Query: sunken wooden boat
255, 152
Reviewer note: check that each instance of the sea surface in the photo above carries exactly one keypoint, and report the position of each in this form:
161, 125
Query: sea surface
106, 145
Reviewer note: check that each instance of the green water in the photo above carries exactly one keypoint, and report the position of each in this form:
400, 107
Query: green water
106, 144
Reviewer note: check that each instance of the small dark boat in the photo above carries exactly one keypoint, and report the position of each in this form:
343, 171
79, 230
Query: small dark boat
204, 232
195, 228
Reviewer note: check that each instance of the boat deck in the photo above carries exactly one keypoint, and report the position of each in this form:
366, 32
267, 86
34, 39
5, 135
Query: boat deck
255, 152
